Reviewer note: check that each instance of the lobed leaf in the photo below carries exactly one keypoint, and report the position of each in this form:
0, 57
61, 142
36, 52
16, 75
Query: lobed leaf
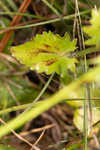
93, 30
47, 53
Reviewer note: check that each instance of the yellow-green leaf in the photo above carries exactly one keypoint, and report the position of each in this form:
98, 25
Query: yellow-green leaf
93, 30
47, 53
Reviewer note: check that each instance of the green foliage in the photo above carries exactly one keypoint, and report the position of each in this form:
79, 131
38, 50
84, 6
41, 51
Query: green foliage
18, 85
5, 147
93, 30
42, 106
50, 53
23, 93
74, 146
47, 53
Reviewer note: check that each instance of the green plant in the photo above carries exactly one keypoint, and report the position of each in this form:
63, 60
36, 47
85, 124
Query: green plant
51, 53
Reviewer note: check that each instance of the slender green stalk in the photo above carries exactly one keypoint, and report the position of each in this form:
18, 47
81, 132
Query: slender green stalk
20, 107
44, 22
86, 51
51, 7
14, 108
85, 122
85, 112
21, 14
28, 106
41, 93
54, 10
42, 106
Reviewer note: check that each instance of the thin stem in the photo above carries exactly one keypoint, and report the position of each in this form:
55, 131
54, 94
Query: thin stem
42, 106
14, 108
20, 107
85, 122
41, 93
86, 51
51, 7
43, 23
19, 13
55, 11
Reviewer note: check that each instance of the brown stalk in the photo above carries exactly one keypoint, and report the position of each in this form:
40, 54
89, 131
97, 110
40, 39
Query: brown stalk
15, 21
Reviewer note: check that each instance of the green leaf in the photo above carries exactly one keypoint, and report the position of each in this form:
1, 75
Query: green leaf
5, 147
74, 146
47, 53
93, 30
24, 93
18, 85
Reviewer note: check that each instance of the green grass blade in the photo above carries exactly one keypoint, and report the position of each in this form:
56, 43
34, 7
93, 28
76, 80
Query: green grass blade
51, 7
21, 14
44, 22
12, 4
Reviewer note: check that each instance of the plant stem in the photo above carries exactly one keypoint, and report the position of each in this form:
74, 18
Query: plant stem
82, 47
41, 93
14, 108
42, 106
19, 13
44, 22
51, 7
